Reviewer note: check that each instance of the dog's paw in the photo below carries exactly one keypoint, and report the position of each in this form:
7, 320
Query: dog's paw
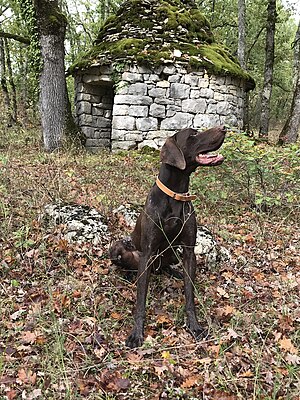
198, 332
134, 340
173, 272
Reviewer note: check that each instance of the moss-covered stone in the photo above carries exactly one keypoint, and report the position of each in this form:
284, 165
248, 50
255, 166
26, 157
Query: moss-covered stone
148, 32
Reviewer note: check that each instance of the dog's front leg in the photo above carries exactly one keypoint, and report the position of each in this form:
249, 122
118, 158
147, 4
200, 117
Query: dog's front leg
189, 265
136, 337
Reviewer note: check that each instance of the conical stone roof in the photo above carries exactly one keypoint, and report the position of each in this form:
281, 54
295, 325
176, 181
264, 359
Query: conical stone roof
153, 32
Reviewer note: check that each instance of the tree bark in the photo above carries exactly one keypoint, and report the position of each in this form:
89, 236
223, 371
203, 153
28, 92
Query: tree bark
18, 38
268, 72
291, 130
23, 90
13, 104
241, 51
4, 88
52, 28
296, 45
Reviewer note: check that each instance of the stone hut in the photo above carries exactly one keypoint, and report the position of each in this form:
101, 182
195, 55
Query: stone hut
155, 68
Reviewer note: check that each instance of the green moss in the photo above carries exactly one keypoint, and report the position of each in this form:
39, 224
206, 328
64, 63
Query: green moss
177, 25
191, 19
125, 46
219, 60
131, 13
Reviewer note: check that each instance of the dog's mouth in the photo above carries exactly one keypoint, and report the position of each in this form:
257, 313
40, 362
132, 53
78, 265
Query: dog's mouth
209, 159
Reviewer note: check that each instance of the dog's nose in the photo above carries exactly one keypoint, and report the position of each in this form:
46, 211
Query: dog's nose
224, 128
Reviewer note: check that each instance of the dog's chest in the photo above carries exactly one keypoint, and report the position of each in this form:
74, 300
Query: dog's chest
175, 218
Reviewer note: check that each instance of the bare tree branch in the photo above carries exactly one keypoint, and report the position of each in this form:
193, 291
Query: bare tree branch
255, 40
13, 36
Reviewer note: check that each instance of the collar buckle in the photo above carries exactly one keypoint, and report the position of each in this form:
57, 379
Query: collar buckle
174, 195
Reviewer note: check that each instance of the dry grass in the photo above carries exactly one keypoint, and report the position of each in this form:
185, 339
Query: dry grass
66, 311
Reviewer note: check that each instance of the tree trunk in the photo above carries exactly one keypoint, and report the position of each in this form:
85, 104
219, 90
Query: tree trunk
268, 73
241, 52
291, 129
13, 105
52, 28
296, 45
23, 90
4, 88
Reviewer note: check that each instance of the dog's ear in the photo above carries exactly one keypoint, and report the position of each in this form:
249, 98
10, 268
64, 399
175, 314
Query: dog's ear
171, 154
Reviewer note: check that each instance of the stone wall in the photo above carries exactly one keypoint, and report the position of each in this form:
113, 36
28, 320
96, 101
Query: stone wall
147, 106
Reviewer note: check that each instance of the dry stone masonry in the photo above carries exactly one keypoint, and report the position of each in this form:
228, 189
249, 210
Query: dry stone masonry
144, 109
159, 72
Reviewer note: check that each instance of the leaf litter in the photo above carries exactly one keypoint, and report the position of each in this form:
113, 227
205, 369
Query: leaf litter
66, 310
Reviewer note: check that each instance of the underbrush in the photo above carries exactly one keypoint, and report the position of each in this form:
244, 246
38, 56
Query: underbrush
255, 176
66, 311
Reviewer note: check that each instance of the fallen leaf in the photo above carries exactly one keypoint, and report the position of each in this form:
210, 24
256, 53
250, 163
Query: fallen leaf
247, 374
191, 381
286, 323
184, 372
40, 339
226, 311
160, 369
11, 394
17, 314
269, 377
116, 316
277, 336
117, 384
206, 360
249, 239
134, 358
231, 334
293, 359
26, 376
239, 281
259, 277
34, 394
287, 345
80, 262
31, 253
163, 319
28, 337
76, 294
100, 353
83, 388
215, 349
222, 292
122, 383
7, 380
228, 275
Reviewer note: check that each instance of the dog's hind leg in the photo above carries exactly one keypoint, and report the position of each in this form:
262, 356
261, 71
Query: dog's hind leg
124, 254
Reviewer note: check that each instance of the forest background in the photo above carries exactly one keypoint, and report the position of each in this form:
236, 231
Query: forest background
66, 310
262, 35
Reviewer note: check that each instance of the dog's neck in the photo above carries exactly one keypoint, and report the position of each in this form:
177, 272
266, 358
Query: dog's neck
175, 179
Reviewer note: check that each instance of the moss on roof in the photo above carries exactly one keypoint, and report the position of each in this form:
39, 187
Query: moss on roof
148, 32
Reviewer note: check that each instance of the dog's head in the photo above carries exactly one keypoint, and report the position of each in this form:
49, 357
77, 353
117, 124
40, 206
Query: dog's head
188, 148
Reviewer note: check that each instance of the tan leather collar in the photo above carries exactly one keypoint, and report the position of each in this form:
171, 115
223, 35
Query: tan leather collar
174, 195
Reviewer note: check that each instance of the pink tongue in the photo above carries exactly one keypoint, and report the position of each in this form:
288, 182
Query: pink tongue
209, 159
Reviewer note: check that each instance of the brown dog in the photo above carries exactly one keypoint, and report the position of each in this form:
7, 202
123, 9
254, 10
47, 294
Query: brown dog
168, 221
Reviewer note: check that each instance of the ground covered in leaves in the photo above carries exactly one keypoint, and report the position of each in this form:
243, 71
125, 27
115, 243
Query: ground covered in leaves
66, 311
